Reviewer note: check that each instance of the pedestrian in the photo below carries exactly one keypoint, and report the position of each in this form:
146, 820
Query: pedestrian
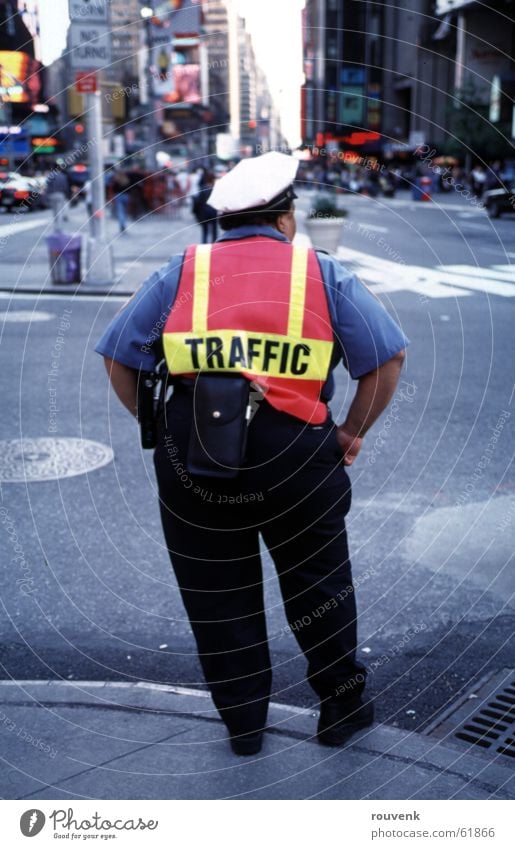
58, 193
203, 212
88, 198
256, 313
478, 179
120, 185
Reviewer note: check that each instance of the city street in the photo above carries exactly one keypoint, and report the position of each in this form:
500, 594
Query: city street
90, 594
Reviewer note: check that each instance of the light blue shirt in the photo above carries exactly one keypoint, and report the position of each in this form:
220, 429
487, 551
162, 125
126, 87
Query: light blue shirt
365, 334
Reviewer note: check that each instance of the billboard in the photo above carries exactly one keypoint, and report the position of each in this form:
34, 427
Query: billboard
187, 83
19, 77
20, 51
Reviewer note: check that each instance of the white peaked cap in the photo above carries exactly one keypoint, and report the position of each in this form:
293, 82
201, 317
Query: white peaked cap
254, 182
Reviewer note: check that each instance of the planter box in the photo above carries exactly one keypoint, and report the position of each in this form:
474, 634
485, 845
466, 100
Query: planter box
325, 233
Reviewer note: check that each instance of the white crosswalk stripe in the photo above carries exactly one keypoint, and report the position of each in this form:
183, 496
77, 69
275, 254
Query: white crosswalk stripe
449, 281
14, 227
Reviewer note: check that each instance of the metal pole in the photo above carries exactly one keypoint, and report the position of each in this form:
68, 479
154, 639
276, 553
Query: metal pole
150, 153
99, 262
96, 164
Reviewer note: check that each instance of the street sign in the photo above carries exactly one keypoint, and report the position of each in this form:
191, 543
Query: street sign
84, 11
85, 82
90, 46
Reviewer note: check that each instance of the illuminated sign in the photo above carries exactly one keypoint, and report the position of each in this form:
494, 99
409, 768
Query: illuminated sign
351, 105
19, 77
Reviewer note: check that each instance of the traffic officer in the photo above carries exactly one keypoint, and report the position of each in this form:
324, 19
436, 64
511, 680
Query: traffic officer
256, 310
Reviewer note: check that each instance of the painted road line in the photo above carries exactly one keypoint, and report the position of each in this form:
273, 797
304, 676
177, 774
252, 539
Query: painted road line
11, 229
474, 271
55, 296
386, 276
441, 282
376, 228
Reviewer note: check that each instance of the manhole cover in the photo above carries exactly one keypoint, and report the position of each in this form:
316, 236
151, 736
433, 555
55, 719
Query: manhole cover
45, 459
484, 718
26, 316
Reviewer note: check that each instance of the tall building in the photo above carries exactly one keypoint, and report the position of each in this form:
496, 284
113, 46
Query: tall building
216, 40
238, 89
341, 97
381, 77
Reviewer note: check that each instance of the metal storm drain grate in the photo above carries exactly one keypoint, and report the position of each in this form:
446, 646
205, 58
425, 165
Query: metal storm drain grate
483, 717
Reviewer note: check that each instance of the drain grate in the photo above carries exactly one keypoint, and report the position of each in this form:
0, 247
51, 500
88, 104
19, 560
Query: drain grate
484, 717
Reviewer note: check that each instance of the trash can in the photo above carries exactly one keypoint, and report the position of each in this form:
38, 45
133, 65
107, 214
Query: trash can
64, 251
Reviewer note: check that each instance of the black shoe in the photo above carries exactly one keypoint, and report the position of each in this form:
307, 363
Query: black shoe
247, 744
340, 719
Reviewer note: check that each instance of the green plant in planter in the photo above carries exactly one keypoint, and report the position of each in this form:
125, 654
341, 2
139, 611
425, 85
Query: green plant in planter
324, 207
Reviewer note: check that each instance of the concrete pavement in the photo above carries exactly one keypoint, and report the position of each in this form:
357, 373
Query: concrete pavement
82, 740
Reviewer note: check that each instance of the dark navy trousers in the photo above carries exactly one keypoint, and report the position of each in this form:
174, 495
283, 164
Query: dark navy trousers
295, 492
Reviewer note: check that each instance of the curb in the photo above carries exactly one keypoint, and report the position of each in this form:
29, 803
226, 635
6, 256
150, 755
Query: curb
435, 757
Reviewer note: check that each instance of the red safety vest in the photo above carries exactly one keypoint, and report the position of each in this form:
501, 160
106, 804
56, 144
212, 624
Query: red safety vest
256, 306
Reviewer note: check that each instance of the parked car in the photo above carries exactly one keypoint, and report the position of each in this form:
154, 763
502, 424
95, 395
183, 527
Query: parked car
501, 199
18, 191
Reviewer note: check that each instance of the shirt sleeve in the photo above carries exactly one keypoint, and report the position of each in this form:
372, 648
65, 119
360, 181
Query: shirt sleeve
132, 335
367, 335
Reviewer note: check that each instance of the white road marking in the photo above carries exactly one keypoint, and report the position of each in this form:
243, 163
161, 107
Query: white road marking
388, 276
26, 316
474, 271
441, 282
51, 296
14, 227
376, 228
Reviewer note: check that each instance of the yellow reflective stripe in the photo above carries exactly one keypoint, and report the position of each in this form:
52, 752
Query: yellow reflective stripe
299, 269
254, 353
201, 288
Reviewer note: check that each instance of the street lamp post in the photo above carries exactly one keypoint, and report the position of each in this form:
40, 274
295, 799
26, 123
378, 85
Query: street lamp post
147, 13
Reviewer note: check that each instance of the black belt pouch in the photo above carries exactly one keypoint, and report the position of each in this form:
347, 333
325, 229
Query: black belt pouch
219, 427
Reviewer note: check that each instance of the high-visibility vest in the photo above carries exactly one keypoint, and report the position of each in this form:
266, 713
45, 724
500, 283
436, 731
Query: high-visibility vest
257, 307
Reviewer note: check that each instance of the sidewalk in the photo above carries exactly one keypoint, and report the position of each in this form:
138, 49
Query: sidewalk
150, 241
81, 740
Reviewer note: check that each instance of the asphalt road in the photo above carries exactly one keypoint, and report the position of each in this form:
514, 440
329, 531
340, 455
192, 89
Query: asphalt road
87, 591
